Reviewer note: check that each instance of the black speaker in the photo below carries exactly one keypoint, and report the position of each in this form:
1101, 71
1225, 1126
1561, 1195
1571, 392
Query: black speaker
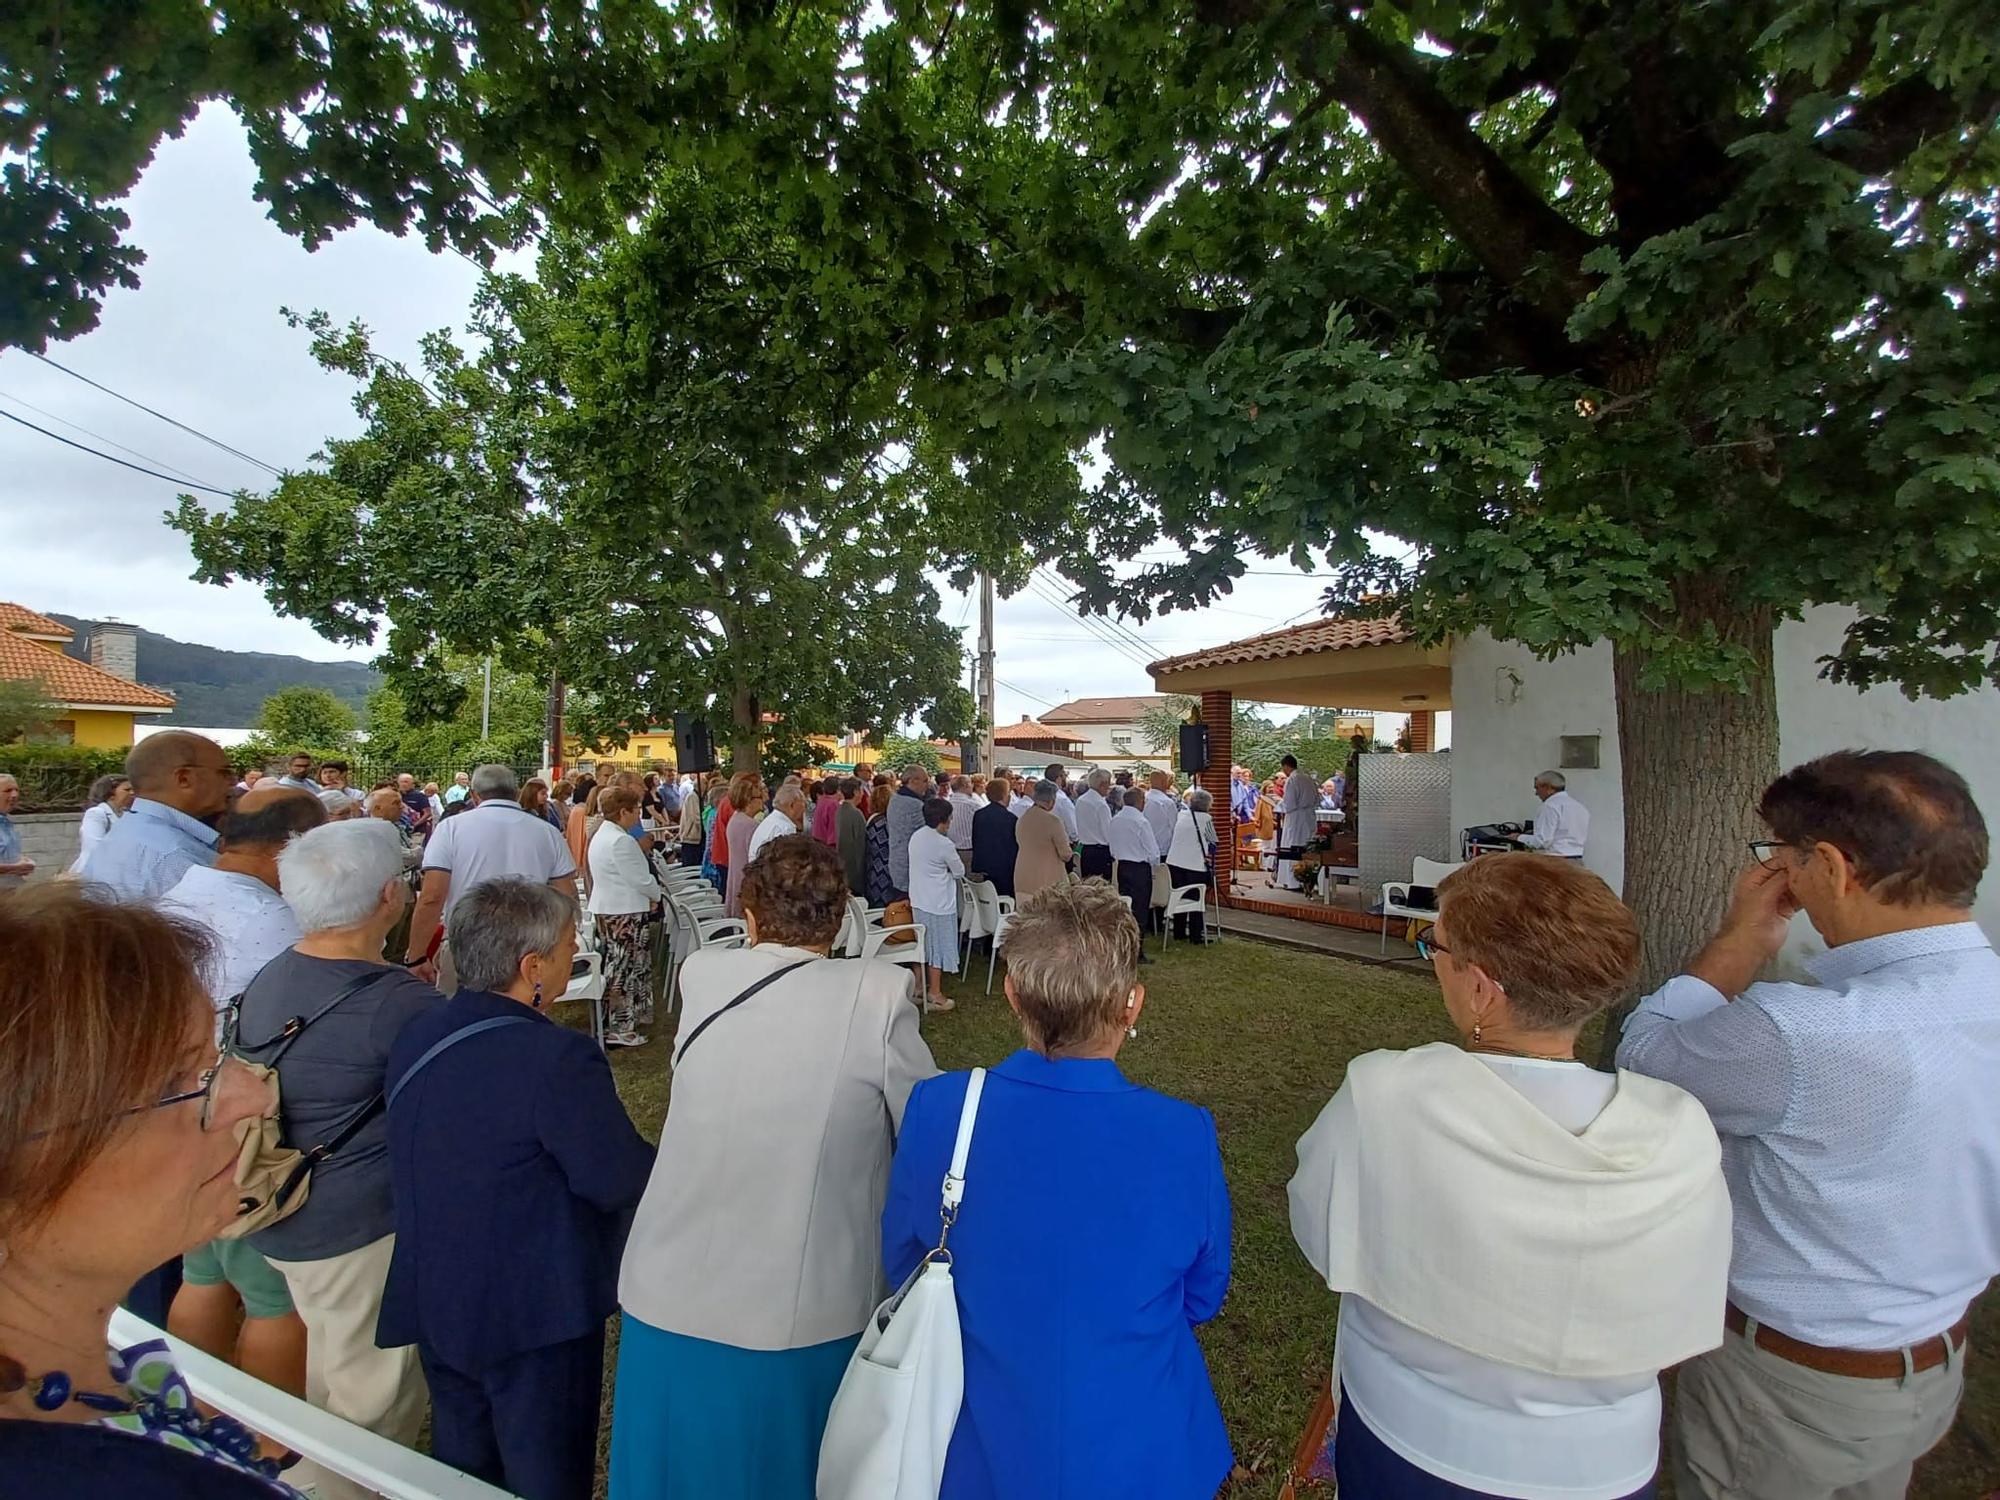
1194, 748
696, 751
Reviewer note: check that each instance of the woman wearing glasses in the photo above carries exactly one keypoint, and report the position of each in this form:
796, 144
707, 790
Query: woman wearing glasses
1521, 1243
117, 1153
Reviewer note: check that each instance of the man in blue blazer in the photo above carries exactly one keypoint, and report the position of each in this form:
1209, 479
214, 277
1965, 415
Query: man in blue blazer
515, 1171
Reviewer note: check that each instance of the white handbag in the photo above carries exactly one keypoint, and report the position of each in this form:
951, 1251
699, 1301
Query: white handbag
893, 1416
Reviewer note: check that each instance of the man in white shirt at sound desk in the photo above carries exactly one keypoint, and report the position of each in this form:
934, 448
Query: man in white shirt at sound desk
1562, 824
1860, 1127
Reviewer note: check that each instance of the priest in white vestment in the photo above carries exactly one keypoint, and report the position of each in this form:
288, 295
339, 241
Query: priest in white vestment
1299, 812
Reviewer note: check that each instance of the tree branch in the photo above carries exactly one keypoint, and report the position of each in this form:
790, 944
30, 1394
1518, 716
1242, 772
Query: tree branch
1884, 130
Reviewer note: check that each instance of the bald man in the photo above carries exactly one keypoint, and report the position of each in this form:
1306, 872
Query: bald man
181, 784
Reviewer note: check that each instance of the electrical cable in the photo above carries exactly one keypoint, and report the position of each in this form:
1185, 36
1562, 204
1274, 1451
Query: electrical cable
259, 463
1116, 625
113, 458
1031, 697
87, 432
1104, 637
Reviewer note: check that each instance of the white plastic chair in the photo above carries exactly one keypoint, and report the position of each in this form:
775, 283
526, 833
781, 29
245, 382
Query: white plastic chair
586, 986
374, 1463
1185, 901
1396, 894
692, 930
1002, 915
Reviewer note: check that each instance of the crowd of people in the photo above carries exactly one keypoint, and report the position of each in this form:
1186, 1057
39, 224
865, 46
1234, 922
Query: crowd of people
257, 1048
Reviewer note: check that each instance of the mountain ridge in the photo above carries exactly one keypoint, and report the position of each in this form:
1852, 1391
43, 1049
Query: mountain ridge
216, 688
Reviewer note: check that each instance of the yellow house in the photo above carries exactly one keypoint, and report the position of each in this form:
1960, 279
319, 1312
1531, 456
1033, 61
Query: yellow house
657, 744
100, 698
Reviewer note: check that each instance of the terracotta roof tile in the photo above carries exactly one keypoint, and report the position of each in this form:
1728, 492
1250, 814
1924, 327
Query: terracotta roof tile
1334, 633
1028, 731
18, 617
1103, 710
68, 680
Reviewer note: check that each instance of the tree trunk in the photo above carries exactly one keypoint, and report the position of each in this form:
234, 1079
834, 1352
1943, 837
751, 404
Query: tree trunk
1694, 765
748, 731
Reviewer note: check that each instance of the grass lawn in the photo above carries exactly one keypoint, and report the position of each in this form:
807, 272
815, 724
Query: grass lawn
1261, 1035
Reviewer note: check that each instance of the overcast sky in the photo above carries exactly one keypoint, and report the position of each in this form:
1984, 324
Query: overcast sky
202, 341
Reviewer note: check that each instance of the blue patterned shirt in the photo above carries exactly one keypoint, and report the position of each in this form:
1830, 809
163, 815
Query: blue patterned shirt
1860, 1125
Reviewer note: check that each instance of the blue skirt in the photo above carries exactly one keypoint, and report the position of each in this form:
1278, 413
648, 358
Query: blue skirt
696, 1420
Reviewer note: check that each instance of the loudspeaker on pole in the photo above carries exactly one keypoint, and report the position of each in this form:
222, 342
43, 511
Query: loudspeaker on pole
1194, 748
692, 745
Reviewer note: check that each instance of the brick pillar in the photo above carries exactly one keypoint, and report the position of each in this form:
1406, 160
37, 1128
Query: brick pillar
1423, 731
1218, 713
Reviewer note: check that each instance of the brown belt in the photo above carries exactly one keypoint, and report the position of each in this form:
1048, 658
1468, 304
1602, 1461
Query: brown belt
1862, 1364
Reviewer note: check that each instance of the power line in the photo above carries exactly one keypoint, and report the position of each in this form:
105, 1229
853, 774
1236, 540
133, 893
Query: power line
1117, 626
1103, 637
87, 432
170, 421
113, 458
1031, 697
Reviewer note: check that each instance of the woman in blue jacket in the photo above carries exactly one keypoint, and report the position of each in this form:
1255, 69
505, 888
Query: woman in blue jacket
515, 1171
1093, 1238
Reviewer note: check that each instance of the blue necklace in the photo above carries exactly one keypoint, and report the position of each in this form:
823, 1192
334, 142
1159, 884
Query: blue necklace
226, 1435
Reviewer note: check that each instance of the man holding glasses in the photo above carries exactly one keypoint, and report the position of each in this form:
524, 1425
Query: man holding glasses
1860, 1126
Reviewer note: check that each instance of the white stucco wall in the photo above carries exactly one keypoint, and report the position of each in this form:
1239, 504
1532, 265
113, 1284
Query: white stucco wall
1508, 715
1503, 735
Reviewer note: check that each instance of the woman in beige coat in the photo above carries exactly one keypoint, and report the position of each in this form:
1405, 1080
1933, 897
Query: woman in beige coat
1042, 843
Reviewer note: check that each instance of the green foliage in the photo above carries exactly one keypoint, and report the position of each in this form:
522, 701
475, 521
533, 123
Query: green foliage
26, 711
1160, 724
668, 476
516, 727
57, 778
899, 751
306, 716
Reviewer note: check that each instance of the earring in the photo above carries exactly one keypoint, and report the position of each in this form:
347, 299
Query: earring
538, 994
1132, 1033
1477, 1032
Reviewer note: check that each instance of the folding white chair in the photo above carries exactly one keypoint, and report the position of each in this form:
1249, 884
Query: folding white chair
1184, 901
1003, 914
692, 931
586, 986
1396, 894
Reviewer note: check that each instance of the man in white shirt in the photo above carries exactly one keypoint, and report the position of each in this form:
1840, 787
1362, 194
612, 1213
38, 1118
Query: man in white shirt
786, 817
1065, 809
497, 837
459, 790
237, 898
333, 777
1137, 852
1860, 1128
1163, 810
1093, 826
964, 807
1562, 824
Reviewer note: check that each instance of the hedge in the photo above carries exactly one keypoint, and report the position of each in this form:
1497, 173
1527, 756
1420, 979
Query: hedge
57, 778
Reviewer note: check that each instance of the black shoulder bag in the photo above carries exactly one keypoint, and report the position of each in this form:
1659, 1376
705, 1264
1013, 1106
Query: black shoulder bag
769, 979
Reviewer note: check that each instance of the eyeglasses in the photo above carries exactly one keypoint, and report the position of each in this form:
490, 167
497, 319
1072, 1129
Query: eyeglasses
207, 1090
1766, 851
1428, 948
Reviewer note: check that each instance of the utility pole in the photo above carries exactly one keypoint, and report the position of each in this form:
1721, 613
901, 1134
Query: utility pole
486, 704
986, 725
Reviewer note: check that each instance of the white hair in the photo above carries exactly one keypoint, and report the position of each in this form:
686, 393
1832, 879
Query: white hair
496, 781
1045, 793
333, 876
10, 781
1554, 779
335, 802
1099, 779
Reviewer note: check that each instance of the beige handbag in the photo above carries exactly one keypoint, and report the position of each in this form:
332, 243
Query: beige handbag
272, 1178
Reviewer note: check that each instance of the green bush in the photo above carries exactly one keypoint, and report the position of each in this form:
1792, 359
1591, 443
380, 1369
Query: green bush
57, 778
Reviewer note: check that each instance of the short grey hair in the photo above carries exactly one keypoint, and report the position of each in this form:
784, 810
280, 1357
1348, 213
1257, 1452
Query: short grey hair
790, 795
1554, 779
1201, 799
499, 922
333, 876
335, 802
913, 770
1045, 794
1098, 780
496, 781
6, 778
1114, 798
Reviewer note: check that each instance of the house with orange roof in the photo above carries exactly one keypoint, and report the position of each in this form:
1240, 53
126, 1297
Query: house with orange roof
101, 699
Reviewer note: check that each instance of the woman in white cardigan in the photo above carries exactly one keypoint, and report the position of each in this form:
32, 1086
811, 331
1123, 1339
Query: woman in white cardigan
622, 894
1521, 1243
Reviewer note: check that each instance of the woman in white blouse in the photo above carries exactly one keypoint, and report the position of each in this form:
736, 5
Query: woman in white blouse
1189, 854
622, 894
109, 797
1521, 1243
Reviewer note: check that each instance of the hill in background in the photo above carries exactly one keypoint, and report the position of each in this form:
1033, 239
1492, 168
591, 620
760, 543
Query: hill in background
219, 689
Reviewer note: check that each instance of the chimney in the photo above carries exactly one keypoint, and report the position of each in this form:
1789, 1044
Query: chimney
114, 648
